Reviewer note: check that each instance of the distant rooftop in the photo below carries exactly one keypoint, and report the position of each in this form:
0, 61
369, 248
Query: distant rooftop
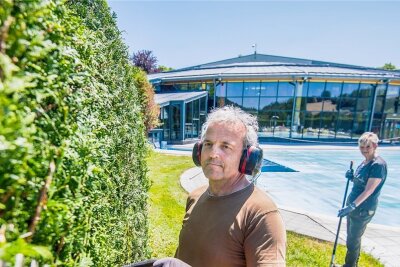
259, 65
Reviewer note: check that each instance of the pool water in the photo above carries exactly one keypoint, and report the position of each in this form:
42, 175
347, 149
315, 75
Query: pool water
318, 185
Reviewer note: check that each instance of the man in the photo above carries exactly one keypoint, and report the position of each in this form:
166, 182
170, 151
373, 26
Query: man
230, 222
363, 199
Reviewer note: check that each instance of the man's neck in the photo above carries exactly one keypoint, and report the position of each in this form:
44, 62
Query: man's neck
223, 188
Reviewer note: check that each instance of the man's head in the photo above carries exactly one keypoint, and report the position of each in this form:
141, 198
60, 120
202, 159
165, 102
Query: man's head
234, 116
225, 134
368, 142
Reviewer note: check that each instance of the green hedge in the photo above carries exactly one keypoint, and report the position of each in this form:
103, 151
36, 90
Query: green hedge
73, 183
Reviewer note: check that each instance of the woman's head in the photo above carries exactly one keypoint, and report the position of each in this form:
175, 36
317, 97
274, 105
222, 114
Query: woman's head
368, 138
368, 142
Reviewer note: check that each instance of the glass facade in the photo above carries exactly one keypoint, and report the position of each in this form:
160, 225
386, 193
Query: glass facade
309, 109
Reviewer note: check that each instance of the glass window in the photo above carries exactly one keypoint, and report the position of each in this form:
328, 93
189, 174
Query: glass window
235, 101
181, 86
221, 89
284, 103
366, 90
314, 104
393, 90
195, 86
210, 89
250, 104
269, 88
234, 89
350, 89
176, 122
328, 123
202, 105
360, 124
267, 103
311, 124
264, 120
196, 109
167, 88
286, 89
347, 103
345, 124
316, 89
328, 105
251, 89
381, 89
364, 104
332, 89
379, 104
284, 120
391, 105
189, 112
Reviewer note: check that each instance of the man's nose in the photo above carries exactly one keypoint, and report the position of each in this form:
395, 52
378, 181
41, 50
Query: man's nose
215, 152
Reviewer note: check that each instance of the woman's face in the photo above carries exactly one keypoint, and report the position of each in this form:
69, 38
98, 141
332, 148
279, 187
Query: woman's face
368, 150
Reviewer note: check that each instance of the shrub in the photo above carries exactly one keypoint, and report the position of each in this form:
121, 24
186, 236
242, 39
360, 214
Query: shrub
72, 138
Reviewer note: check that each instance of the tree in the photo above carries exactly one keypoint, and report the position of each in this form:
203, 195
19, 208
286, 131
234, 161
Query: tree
389, 66
149, 107
145, 60
162, 68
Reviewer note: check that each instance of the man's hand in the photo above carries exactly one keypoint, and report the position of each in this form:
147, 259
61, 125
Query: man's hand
350, 174
170, 262
346, 210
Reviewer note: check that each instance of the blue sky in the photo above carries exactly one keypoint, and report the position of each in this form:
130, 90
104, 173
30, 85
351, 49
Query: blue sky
186, 33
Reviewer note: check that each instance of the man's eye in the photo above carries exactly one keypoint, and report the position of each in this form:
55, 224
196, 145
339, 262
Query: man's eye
207, 144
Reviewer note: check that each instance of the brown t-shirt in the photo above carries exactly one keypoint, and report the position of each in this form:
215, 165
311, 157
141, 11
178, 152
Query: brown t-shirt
244, 228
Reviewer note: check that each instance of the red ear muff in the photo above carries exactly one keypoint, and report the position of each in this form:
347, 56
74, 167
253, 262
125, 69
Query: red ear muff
251, 160
196, 153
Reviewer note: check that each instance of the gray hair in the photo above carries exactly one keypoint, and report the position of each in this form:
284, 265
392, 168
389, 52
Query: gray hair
368, 138
232, 114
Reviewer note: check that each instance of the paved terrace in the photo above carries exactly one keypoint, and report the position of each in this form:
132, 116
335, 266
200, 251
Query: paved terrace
383, 242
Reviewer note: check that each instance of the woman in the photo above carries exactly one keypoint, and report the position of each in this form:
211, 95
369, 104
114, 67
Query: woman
363, 199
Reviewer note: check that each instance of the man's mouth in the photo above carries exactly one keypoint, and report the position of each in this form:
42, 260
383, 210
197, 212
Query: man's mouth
215, 164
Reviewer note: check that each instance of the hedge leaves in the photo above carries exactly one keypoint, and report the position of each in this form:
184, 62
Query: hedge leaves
73, 184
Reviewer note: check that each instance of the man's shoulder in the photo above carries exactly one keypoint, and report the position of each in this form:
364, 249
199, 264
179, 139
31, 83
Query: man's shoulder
198, 192
262, 201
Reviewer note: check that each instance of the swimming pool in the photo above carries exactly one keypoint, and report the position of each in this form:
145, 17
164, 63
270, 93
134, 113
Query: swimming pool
319, 184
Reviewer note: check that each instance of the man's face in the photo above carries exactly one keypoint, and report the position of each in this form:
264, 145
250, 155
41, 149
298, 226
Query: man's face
222, 149
368, 150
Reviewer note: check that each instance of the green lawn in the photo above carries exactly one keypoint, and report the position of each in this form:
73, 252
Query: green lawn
167, 208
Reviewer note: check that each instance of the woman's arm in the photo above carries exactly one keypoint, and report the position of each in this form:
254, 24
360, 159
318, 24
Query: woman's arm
372, 184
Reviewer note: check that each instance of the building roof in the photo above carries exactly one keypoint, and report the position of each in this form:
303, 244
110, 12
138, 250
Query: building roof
267, 66
164, 99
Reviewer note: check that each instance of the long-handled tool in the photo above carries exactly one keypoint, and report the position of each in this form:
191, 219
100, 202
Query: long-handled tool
340, 219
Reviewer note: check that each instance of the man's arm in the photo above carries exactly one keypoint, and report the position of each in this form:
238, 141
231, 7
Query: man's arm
265, 244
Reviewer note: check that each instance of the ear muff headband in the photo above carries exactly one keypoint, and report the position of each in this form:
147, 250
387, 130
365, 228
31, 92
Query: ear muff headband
250, 161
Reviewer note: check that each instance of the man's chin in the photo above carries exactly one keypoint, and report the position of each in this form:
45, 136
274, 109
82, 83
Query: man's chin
213, 176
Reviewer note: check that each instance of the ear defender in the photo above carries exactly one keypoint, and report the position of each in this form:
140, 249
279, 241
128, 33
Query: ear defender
196, 153
250, 161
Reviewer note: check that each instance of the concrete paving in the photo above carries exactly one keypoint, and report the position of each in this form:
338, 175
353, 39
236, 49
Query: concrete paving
383, 242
